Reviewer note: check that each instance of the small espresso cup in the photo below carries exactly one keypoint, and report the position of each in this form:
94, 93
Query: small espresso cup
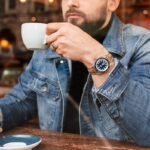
33, 35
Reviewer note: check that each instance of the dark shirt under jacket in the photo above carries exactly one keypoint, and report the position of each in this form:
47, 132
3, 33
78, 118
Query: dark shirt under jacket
78, 78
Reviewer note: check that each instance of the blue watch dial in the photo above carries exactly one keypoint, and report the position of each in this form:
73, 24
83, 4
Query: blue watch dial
101, 65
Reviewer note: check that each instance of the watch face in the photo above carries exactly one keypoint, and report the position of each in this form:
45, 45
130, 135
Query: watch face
102, 64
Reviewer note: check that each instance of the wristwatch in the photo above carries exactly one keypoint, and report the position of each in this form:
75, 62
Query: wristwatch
102, 64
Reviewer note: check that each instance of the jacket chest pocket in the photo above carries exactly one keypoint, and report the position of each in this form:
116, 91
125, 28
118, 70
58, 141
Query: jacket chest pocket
45, 89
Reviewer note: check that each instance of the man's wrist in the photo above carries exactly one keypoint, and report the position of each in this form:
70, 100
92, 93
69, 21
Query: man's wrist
98, 51
99, 79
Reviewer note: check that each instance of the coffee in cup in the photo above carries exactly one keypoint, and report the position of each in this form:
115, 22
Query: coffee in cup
33, 35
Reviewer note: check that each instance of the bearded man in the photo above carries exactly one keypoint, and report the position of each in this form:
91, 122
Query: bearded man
93, 60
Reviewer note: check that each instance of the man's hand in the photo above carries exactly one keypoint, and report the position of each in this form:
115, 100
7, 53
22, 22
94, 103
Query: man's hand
71, 42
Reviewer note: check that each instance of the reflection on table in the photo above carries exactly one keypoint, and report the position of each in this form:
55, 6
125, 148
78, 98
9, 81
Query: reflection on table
64, 141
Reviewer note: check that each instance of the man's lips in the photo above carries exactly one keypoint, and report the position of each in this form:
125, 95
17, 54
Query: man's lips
73, 15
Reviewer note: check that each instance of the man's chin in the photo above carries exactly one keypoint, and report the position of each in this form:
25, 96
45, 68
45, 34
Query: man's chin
85, 26
76, 22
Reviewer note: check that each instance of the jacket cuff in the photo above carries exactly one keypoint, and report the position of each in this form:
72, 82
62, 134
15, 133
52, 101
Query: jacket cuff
115, 84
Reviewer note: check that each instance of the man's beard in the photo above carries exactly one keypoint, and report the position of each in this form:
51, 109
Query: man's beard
90, 27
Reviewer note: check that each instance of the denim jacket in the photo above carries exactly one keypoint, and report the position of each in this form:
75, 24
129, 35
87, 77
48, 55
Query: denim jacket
121, 110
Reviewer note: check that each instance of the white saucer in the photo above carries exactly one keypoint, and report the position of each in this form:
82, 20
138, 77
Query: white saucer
19, 142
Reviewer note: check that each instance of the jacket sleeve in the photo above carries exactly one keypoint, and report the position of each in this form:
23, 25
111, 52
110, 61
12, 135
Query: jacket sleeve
20, 104
126, 94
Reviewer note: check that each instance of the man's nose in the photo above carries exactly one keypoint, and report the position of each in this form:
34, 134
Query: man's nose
73, 3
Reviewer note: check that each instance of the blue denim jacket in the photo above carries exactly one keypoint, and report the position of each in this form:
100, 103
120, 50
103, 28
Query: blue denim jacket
122, 108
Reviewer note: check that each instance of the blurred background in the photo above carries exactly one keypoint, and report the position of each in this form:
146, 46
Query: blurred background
13, 55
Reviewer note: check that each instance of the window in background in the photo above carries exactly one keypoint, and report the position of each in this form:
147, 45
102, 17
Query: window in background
39, 6
12, 4
2, 7
136, 12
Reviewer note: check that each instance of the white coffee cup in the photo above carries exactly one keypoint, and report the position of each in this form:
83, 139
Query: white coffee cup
33, 35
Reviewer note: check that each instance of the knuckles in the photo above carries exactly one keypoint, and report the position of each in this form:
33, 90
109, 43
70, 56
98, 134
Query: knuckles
66, 28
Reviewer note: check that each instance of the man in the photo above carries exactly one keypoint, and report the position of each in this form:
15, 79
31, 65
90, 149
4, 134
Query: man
115, 101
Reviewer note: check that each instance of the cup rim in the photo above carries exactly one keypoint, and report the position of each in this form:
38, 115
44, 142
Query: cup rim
29, 23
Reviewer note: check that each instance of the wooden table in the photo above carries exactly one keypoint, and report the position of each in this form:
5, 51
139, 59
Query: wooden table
63, 141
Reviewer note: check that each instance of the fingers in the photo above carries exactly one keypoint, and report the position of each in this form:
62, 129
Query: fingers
53, 27
55, 31
56, 42
53, 46
51, 38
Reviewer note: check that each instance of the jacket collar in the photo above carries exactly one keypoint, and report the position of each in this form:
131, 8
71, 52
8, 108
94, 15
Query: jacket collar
114, 39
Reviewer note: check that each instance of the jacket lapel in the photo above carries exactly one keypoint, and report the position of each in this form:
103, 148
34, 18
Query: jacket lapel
114, 39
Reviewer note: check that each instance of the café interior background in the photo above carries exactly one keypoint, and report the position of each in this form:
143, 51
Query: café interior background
14, 56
